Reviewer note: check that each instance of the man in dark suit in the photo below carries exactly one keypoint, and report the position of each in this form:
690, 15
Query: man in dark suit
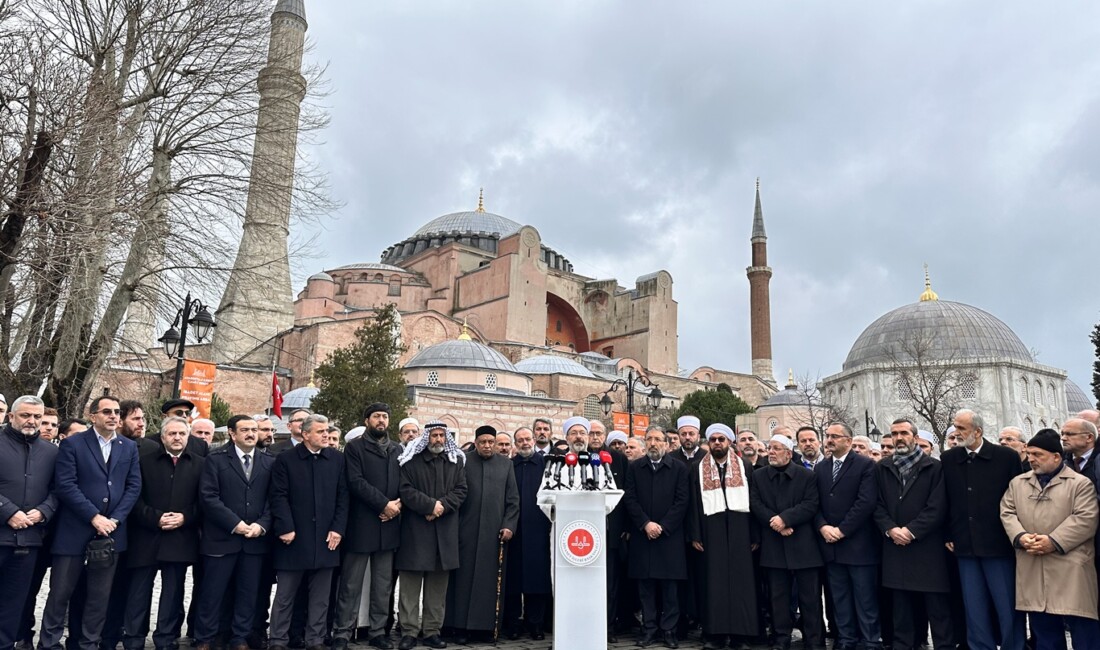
850, 543
297, 417
1080, 446
309, 503
164, 532
976, 474
374, 528
97, 482
912, 516
657, 503
527, 579
26, 505
784, 500
236, 518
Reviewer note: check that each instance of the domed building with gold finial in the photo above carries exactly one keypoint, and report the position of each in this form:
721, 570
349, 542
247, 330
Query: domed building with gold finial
955, 354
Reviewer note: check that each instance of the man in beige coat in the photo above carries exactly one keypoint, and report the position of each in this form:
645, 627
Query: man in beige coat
1050, 514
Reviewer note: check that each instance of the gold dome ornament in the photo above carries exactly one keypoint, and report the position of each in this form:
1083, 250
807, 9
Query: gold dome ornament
928, 294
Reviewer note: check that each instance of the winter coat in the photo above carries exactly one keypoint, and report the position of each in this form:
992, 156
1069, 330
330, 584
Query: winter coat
849, 504
26, 476
791, 493
430, 545
166, 488
920, 506
309, 497
374, 479
974, 490
659, 496
227, 498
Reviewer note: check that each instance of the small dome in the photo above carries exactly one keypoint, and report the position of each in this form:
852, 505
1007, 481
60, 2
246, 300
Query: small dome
320, 276
461, 354
470, 222
300, 398
545, 364
789, 396
1077, 400
954, 331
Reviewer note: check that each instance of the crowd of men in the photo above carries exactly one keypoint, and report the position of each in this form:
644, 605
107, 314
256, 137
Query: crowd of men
307, 543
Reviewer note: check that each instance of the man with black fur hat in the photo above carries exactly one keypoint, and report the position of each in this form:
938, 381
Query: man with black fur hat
374, 528
487, 519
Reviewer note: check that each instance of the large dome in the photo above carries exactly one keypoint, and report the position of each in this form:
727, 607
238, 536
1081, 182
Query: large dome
545, 364
461, 353
952, 330
1076, 399
470, 222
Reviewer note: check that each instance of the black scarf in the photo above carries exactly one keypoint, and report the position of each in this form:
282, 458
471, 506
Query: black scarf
1044, 479
18, 435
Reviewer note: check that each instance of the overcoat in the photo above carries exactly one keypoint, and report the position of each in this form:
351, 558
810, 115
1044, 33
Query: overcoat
430, 545
920, 506
85, 486
374, 479
791, 493
849, 504
309, 496
492, 503
166, 488
1064, 582
26, 477
617, 519
659, 496
228, 498
529, 551
974, 489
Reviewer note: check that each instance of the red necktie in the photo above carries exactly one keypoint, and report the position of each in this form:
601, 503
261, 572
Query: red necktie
175, 460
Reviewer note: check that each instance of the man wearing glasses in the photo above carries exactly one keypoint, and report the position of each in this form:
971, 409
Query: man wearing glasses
97, 482
182, 408
297, 417
1013, 438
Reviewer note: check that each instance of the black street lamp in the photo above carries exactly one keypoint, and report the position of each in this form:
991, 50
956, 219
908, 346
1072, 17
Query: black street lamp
631, 382
175, 341
869, 424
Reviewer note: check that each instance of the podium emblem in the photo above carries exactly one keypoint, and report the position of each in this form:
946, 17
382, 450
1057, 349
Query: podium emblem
580, 543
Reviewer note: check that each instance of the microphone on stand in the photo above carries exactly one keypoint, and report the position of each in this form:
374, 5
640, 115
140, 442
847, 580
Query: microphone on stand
606, 459
595, 462
582, 460
571, 461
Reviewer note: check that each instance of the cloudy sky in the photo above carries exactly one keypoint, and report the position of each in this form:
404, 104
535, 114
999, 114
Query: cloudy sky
630, 134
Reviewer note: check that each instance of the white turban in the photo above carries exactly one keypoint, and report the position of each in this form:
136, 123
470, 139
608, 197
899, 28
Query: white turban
354, 433
616, 436
574, 421
718, 427
927, 435
402, 423
783, 440
688, 421
876, 446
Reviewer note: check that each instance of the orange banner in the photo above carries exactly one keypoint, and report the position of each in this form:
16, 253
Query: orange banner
621, 420
197, 384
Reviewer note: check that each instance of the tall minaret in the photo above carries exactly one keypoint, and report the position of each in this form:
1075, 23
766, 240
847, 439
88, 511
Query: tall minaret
258, 298
760, 310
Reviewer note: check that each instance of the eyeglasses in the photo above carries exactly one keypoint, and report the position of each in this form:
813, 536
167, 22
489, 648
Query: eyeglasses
297, 420
1069, 434
835, 436
110, 411
266, 429
719, 439
179, 413
1007, 439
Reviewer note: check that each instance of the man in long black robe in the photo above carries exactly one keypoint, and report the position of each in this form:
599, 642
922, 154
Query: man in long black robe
722, 529
487, 519
527, 583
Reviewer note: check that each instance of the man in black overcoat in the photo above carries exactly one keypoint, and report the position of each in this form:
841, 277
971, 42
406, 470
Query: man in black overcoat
433, 487
486, 524
235, 542
374, 528
850, 543
309, 503
164, 537
785, 501
617, 524
912, 516
976, 475
657, 503
527, 580
723, 533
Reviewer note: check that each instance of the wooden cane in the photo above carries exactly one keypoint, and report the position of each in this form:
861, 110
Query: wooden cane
500, 591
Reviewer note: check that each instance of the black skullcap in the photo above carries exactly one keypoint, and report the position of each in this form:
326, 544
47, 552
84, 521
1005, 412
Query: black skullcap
484, 430
1047, 440
374, 408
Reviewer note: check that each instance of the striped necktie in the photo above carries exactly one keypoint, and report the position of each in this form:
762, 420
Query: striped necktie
836, 468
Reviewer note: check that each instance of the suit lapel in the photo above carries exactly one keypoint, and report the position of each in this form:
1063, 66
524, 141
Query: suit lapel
93, 444
844, 467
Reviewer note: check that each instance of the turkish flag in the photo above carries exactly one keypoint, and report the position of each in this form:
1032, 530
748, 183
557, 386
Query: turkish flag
276, 396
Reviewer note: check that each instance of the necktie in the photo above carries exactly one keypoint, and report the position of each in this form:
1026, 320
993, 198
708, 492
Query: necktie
972, 455
1079, 463
247, 467
836, 468
175, 460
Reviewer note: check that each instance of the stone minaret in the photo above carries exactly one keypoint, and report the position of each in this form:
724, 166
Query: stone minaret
760, 310
258, 298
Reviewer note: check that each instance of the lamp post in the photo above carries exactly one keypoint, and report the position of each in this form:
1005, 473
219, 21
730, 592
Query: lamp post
630, 383
175, 341
869, 424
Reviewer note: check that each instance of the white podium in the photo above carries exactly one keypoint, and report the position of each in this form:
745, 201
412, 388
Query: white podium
580, 565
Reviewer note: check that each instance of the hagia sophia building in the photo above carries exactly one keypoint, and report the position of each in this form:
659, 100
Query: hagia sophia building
499, 328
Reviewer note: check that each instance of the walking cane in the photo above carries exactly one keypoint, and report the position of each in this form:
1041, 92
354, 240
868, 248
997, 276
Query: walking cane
500, 576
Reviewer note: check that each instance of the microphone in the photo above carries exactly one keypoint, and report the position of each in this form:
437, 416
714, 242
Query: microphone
557, 459
571, 461
607, 460
583, 459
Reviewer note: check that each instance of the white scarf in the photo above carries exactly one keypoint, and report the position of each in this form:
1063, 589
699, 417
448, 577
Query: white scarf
736, 488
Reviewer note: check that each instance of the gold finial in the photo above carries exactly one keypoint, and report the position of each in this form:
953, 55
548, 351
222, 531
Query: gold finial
465, 335
928, 294
481, 200
790, 378
311, 384
757, 183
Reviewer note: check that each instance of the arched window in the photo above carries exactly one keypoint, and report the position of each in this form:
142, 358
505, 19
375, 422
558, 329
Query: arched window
1038, 392
968, 386
1054, 425
904, 391
1051, 399
592, 409
1023, 390
538, 393
840, 396
378, 277
433, 378
772, 424
1042, 423
395, 285
1029, 428
490, 381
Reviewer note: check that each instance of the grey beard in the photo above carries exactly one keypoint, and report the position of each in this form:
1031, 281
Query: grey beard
579, 447
526, 453
436, 449
655, 454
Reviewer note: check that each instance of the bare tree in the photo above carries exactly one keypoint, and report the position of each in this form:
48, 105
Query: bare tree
815, 410
124, 169
931, 386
